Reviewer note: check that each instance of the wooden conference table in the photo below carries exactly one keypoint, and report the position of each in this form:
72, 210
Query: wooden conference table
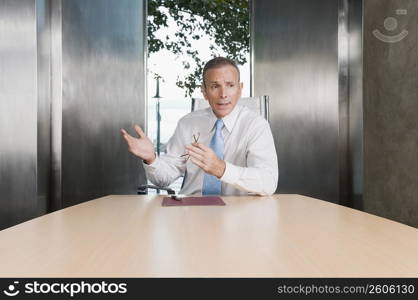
277, 236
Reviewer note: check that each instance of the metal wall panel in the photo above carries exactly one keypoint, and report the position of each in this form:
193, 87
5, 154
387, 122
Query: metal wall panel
296, 64
18, 109
350, 99
391, 109
355, 102
43, 37
56, 104
343, 99
304, 52
103, 91
71, 75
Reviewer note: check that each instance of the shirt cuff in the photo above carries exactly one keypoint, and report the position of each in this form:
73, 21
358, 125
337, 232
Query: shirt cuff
153, 166
231, 174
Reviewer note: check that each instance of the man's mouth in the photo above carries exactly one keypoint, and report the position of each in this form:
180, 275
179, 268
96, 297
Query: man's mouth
224, 103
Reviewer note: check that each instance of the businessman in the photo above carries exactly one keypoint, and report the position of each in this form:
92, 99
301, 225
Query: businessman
222, 150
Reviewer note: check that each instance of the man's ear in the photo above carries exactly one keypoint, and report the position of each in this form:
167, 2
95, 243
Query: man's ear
241, 86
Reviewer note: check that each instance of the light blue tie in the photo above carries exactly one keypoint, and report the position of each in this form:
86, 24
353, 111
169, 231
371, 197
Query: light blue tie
211, 184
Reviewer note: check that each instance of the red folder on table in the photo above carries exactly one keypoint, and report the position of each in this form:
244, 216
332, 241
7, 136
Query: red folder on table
193, 201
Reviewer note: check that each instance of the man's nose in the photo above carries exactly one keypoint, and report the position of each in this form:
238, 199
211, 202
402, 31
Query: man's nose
223, 92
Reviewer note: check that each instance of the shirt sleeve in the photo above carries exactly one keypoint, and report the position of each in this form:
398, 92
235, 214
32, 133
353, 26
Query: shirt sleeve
261, 174
169, 166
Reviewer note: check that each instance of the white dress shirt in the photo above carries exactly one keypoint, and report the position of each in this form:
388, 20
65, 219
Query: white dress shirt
249, 154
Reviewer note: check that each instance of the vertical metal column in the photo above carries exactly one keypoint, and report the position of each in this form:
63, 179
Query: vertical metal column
56, 104
355, 104
43, 35
343, 100
18, 111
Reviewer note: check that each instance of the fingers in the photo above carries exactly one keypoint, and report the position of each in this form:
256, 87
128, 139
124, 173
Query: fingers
195, 149
125, 135
199, 164
126, 138
202, 147
196, 156
139, 131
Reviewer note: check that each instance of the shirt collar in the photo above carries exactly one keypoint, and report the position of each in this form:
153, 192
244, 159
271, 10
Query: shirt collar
229, 120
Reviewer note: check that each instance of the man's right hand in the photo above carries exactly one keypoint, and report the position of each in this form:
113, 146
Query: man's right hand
141, 147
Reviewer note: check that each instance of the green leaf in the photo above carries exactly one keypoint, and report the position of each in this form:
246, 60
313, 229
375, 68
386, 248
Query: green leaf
226, 22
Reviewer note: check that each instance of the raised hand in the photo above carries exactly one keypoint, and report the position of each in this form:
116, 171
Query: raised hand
141, 147
204, 157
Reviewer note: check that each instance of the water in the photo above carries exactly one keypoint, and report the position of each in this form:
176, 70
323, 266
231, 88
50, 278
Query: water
171, 110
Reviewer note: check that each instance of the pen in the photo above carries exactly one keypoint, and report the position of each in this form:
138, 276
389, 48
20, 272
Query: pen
177, 197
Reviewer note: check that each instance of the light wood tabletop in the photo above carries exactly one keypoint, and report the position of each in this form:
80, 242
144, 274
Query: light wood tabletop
276, 236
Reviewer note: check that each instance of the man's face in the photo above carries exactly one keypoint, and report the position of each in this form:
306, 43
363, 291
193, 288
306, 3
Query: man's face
222, 89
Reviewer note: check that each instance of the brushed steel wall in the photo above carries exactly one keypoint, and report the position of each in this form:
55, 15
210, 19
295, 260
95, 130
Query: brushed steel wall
18, 109
71, 75
301, 53
56, 92
103, 90
391, 110
43, 39
355, 154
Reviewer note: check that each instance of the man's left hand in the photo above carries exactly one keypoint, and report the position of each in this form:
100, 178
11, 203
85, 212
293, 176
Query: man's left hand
204, 157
